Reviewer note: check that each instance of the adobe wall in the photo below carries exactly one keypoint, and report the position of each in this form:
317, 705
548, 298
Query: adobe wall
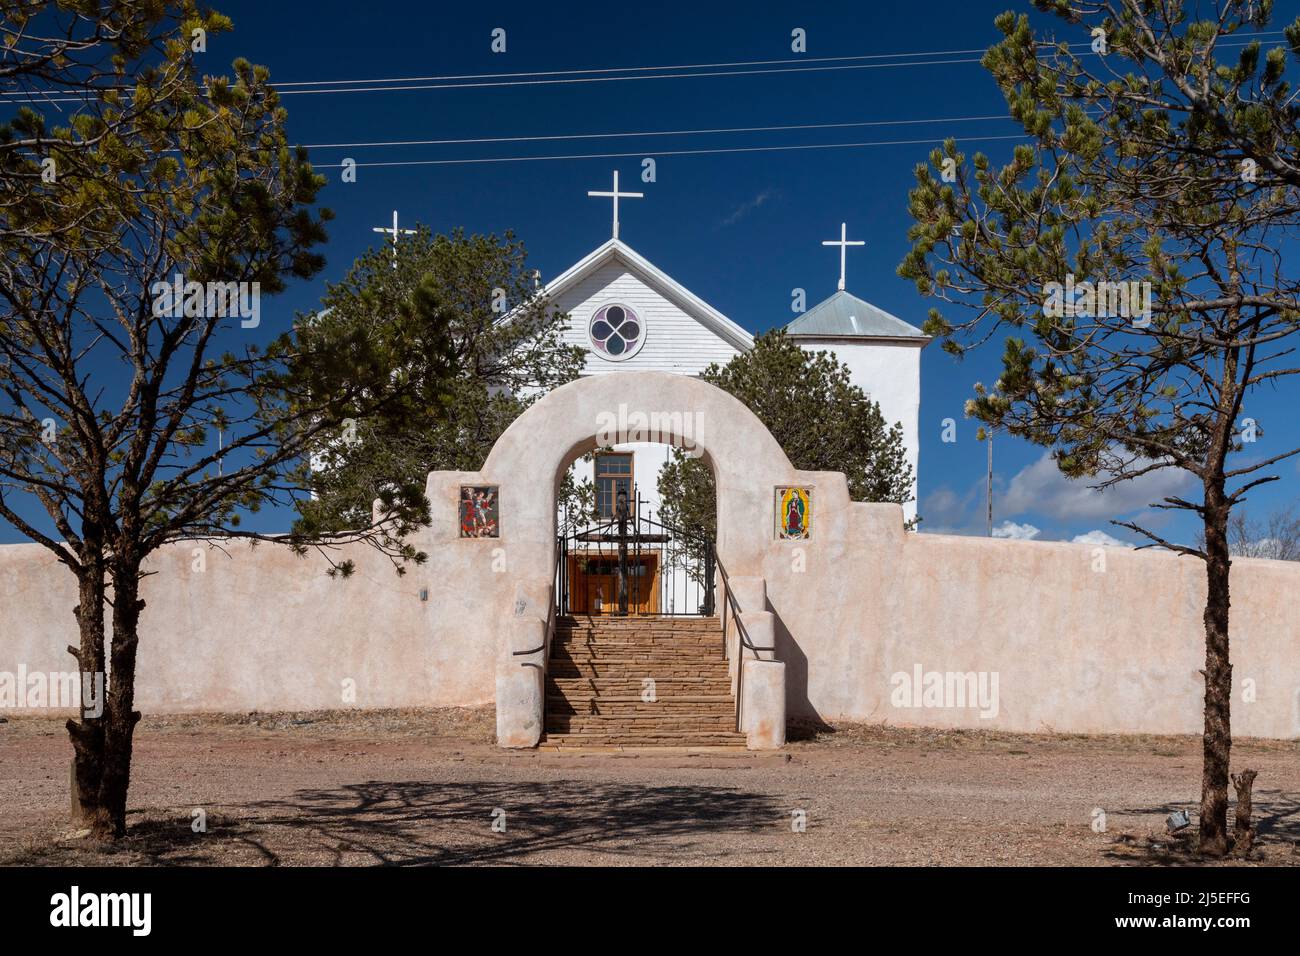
257, 629
1073, 647
1081, 639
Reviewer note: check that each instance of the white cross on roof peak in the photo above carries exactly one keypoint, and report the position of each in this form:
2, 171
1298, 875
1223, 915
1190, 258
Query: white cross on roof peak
843, 242
616, 196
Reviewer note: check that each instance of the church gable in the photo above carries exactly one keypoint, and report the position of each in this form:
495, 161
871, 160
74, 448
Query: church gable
627, 314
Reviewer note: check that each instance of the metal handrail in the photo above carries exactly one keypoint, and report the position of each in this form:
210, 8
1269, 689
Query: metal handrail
552, 616
743, 641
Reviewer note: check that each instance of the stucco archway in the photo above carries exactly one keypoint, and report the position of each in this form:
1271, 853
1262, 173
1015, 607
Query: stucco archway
500, 588
674, 409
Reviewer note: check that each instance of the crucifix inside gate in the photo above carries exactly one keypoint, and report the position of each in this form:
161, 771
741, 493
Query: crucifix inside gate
633, 565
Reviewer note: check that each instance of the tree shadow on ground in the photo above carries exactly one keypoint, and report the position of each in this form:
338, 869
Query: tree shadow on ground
452, 823
1275, 815
414, 823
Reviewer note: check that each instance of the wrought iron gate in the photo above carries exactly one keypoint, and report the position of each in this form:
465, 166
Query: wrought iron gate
633, 564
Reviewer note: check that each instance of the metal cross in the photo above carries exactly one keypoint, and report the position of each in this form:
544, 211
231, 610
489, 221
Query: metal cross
844, 242
394, 232
616, 196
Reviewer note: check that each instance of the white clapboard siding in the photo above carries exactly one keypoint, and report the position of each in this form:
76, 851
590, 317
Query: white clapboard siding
675, 340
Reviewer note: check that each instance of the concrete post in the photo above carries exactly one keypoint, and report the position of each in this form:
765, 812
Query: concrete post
521, 671
762, 691
763, 706
760, 628
521, 682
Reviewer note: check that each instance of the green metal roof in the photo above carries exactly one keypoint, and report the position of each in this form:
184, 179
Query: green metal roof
847, 315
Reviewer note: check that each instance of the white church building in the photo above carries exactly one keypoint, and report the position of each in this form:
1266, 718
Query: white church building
628, 314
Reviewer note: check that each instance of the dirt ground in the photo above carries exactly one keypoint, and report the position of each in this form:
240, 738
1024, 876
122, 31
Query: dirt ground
412, 787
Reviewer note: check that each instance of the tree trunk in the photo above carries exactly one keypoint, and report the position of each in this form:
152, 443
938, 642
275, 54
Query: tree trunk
1244, 830
120, 716
87, 731
1217, 740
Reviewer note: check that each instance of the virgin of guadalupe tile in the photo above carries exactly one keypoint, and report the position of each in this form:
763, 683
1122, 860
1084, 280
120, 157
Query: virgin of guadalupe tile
793, 514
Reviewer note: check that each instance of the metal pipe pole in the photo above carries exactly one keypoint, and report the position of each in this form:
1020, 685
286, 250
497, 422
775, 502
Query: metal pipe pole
622, 551
989, 438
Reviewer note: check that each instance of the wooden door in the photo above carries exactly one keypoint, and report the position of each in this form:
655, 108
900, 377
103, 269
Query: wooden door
593, 583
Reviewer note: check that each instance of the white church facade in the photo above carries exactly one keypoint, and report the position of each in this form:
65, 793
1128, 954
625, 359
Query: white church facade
628, 314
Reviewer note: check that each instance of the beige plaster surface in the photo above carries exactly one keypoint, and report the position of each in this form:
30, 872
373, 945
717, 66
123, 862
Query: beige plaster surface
1073, 648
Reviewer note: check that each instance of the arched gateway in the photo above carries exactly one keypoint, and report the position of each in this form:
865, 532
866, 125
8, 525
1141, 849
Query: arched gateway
495, 534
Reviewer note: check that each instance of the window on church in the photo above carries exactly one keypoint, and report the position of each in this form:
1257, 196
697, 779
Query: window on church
613, 472
616, 331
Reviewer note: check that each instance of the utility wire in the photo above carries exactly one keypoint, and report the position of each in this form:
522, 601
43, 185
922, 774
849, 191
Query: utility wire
677, 132
674, 152
677, 66
406, 85
627, 69
555, 82
611, 79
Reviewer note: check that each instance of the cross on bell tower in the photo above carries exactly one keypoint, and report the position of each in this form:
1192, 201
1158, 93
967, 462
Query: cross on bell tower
843, 242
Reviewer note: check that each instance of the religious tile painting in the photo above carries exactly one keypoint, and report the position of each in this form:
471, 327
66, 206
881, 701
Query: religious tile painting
479, 512
794, 513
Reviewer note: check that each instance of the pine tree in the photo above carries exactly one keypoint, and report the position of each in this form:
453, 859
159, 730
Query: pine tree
1128, 252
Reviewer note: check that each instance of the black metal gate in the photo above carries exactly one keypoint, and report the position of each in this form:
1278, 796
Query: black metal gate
633, 564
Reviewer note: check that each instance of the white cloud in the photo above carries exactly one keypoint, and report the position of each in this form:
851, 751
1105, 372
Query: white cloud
745, 208
1101, 538
1040, 488
1018, 532
944, 507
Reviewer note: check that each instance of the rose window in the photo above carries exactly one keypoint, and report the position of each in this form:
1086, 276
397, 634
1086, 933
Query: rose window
616, 331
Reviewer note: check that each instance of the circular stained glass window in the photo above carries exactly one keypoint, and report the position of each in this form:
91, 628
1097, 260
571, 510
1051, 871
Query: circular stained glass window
616, 332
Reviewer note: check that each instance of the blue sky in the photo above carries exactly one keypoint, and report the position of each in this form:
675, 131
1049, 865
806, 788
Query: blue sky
740, 229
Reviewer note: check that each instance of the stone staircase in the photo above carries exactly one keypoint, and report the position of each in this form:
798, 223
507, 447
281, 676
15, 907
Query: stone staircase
600, 669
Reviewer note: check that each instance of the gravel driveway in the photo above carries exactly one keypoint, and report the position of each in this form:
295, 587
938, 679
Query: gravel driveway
410, 787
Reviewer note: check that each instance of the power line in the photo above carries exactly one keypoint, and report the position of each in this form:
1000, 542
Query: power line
612, 79
678, 66
558, 82
649, 76
405, 85
584, 72
674, 152
627, 69
678, 132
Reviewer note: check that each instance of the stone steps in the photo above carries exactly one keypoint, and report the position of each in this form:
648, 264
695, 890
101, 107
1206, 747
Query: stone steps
711, 635
631, 686
633, 653
596, 674
720, 705
635, 671
731, 739
711, 650
640, 724
703, 661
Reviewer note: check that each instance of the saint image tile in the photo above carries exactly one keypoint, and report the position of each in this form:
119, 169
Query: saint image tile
479, 512
794, 513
